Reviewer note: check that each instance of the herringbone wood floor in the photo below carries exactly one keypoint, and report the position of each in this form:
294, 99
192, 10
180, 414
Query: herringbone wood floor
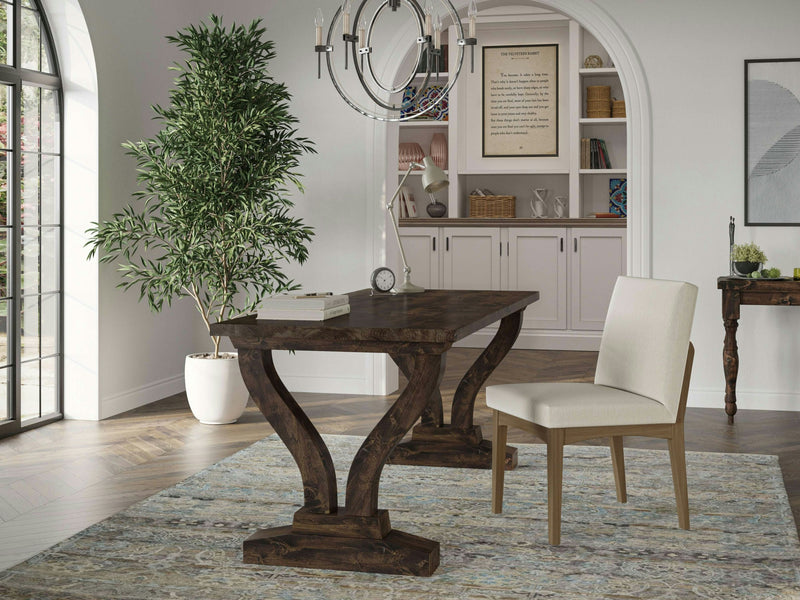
57, 480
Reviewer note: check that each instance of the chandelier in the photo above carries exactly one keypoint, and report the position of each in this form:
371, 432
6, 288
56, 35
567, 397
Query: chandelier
356, 75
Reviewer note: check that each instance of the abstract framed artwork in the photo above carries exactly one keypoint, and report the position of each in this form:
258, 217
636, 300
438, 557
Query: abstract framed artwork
772, 141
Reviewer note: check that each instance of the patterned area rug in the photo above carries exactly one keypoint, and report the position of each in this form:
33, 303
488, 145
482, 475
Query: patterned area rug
185, 542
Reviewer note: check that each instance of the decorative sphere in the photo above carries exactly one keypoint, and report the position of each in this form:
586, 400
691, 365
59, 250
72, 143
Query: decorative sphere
436, 209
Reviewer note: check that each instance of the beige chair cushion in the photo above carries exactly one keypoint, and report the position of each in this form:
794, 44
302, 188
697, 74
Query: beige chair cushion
556, 405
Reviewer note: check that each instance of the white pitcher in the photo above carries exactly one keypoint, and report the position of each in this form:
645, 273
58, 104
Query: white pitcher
560, 207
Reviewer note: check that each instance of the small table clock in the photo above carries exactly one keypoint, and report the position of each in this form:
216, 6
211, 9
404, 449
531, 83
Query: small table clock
382, 280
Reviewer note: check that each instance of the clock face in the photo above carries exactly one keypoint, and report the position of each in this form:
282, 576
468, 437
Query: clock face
382, 279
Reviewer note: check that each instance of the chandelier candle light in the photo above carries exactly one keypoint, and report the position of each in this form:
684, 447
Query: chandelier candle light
370, 95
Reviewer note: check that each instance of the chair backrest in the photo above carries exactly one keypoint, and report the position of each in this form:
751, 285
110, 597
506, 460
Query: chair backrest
646, 338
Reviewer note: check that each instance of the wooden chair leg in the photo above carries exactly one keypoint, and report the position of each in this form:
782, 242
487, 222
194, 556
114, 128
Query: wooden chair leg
555, 469
618, 461
677, 457
498, 463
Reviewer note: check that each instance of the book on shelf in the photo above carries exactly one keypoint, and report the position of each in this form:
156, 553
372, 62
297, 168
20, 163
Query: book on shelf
407, 204
594, 154
308, 301
303, 314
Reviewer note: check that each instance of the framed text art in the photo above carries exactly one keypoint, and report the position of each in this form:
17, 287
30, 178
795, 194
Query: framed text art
520, 100
772, 141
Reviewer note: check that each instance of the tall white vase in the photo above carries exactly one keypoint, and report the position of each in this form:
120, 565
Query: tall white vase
215, 388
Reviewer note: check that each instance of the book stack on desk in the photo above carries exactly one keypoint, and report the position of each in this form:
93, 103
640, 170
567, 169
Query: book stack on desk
304, 307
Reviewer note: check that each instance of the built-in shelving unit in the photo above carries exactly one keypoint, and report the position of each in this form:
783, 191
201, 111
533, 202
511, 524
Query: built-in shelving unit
587, 189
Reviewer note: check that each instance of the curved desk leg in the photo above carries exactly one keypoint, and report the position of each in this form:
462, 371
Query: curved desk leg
461, 443
433, 414
360, 537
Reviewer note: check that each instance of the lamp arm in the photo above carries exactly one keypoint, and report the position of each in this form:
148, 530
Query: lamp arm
390, 208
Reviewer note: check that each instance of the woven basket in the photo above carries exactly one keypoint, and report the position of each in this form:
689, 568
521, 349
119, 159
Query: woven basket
598, 92
493, 207
618, 109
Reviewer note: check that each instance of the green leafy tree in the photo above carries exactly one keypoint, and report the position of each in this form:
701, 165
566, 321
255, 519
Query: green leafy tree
212, 220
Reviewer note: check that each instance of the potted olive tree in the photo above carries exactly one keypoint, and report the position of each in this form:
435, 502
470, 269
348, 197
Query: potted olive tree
212, 221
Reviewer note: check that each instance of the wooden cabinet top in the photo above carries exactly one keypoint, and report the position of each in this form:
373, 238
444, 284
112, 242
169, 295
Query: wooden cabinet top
520, 222
403, 323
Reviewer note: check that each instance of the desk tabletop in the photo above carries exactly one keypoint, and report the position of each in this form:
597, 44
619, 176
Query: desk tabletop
383, 323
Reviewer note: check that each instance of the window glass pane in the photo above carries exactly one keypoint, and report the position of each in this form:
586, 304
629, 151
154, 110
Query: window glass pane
4, 400
4, 292
29, 187
49, 324
29, 327
31, 123
49, 259
6, 34
3, 336
49, 377
5, 94
50, 196
28, 3
31, 40
30, 389
30, 260
50, 127
6, 164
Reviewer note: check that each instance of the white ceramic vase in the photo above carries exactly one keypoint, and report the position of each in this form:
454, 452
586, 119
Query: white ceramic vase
215, 389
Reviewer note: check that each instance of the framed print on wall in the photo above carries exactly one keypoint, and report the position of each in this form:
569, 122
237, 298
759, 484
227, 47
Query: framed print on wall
520, 100
772, 141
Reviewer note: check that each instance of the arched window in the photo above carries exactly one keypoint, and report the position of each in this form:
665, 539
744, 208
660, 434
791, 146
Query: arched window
31, 298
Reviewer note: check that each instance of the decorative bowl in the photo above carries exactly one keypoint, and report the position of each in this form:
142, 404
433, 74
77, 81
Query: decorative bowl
436, 209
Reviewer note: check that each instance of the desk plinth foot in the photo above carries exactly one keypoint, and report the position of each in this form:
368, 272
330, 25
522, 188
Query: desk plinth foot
398, 553
447, 446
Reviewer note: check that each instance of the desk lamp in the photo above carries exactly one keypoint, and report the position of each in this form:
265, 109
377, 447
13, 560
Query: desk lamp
433, 179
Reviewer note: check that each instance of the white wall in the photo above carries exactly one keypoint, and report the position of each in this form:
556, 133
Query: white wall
693, 55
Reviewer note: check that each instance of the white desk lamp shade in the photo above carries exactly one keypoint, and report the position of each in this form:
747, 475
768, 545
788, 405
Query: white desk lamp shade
433, 178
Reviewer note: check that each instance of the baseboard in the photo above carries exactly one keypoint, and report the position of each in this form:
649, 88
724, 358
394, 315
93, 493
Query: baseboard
539, 339
327, 384
134, 398
745, 400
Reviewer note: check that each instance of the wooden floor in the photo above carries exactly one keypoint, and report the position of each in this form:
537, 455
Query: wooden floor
58, 480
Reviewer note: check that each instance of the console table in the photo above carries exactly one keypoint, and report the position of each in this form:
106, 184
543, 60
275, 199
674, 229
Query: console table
737, 291
416, 330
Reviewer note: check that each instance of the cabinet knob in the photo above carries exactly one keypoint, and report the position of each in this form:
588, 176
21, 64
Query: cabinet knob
434, 244
562, 244
575, 243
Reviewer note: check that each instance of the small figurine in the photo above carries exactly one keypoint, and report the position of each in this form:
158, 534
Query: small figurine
731, 227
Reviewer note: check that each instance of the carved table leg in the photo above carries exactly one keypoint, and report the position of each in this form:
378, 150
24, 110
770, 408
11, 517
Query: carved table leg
461, 444
358, 537
730, 362
730, 352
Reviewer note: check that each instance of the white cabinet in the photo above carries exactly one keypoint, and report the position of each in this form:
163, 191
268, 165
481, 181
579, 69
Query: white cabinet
572, 268
598, 257
537, 260
471, 258
421, 245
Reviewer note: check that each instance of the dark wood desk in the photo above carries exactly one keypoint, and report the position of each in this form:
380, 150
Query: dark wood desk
416, 331
737, 291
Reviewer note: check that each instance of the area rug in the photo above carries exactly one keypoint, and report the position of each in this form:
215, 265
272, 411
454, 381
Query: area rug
185, 542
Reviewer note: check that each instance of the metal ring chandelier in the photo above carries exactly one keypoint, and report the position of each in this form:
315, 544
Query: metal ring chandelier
382, 100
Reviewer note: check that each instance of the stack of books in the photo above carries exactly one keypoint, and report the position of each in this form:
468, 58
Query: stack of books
304, 307
594, 154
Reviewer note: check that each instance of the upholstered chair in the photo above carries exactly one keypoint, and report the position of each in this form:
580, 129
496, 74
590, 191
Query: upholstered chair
640, 388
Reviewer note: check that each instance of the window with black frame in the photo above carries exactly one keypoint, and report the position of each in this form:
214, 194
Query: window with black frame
30, 220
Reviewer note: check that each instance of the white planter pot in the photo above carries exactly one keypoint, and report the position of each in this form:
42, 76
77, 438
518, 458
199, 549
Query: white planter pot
214, 387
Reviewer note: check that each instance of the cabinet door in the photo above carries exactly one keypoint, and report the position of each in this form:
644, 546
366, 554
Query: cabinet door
471, 258
421, 246
537, 261
597, 257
